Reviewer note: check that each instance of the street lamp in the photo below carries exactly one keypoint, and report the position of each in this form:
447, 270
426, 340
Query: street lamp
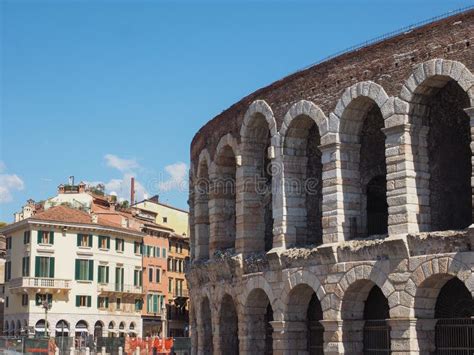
46, 306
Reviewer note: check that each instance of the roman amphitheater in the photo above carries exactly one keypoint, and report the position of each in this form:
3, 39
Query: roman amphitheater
331, 211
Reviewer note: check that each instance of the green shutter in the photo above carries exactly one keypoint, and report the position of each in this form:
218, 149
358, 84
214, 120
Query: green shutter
78, 240
108, 242
51, 240
155, 303
77, 269
135, 277
116, 243
40, 235
78, 301
37, 266
89, 301
107, 274
51, 267
106, 302
91, 237
140, 275
91, 270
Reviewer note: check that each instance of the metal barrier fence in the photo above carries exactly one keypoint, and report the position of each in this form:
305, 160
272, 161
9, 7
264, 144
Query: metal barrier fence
24, 345
376, 337
455, 336
182, 346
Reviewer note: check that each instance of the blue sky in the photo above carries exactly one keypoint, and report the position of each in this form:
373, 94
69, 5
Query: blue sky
105, 90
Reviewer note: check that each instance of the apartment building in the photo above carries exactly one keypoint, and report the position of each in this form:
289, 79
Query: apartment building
86, 269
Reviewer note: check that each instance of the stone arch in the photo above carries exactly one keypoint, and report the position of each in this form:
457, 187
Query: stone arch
301, 137
366, 276
303, 277
98, 329
201, 207
254, 197
257, 330
303, 312
258, 107
361, 113
204, 324
426, 280
62, 328
222, 196
228, 324
440, 96
259, 282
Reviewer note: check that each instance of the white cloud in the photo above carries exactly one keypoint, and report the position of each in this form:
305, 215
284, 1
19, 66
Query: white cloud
178, 177
121, 188
123, 165
8, 184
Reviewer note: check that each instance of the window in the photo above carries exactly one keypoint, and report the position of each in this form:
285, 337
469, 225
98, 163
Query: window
158, 275
45, 237
153, 303
25, 267
138, 306
84, 270
119, 304
103, 274
83, 301
84, 240
104, 242
6, 301
119, 276
137, 277
42, 297
180, 250
170, 284
157, 252
150, 274
44, 266
119, 244
102, 302
24, 299
26, 237
164, 253
8, 242
170, 264
175, 265
170, 246
138, 248
8, 270
165, 219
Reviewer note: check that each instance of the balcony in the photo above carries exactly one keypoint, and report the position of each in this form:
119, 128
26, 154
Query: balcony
41, 284
119, 289
181, 293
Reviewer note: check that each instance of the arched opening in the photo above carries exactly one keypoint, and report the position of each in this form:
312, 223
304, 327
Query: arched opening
304, 308
62, 328
12, 328
6, 328
81, 333
122, 329
111, 330
258, 317
303, 180
222, 203
201, 211
256, 194
132, 331
40, 329
205, 328
449, 139
18, 327
228, 327
365, 312
98, 329
364, 169
454, 311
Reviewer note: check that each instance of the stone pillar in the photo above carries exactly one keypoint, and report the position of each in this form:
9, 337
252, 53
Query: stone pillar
278, 192
201, 222
403, 336
353, 336
221, 213
407, 179
289, 337
470, 113
348, 191
425, 336
192, 236
250, 233
333, 343
333, 209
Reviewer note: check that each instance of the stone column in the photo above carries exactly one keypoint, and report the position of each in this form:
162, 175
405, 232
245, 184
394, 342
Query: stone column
353, 336
425, 336
333, 209
470, 113
278, 193
289, 337
408, 177
333, 343
403, 336
249, 211
201, 224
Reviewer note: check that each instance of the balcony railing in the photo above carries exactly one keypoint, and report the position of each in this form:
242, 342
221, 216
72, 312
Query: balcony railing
39, 282
119, 288
180, 293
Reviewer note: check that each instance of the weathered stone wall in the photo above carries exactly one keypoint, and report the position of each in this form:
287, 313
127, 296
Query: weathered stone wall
387, 133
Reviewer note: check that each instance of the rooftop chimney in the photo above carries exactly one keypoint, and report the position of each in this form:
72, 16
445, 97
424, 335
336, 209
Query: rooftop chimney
71, 180
132, 190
